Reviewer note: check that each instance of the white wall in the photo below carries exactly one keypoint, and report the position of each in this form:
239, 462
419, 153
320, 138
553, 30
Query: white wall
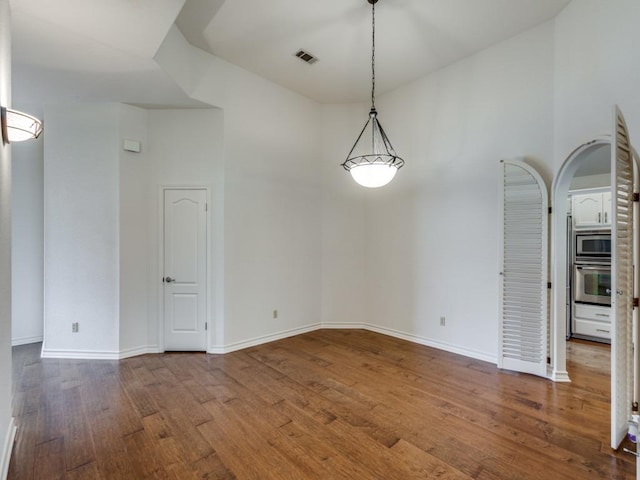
538, 95
27, 237
295, 234
81, 229
344, 294
102, 219
185, 148
432, 235
272, 209
264, 181
135, 205
6, 420
597, 65
272, 195
266, 214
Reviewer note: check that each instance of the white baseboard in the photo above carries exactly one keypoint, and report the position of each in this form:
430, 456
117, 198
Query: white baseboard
98, 355
79, 354
232, 347
373, 328
220, 349
560, 377
447, 347
25, 340
7, 448
343, 326
132, 352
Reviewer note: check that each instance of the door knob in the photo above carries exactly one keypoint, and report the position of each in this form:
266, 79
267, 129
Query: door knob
169, 279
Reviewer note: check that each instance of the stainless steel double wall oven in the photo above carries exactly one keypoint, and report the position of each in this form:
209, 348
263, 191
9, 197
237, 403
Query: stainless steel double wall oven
592, 267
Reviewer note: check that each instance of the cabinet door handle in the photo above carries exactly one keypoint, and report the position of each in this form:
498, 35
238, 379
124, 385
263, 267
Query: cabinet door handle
605, 217
599, 217
602, 315
602, 330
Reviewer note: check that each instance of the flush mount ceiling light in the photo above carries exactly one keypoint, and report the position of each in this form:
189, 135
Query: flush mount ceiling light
372, 160
18, 126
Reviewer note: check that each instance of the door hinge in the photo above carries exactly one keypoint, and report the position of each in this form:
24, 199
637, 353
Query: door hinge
550, 210
636, 303
548, 284
636, 197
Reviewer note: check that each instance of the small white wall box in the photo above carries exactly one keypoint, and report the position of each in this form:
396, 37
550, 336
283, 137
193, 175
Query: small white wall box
131, 145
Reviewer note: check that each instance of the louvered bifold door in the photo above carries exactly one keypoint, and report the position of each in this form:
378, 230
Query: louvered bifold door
621, 280
523, 274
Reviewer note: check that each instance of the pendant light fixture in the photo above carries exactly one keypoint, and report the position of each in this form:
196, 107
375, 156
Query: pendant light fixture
373, 162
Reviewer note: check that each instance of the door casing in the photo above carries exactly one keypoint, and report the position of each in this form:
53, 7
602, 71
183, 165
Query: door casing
560, 193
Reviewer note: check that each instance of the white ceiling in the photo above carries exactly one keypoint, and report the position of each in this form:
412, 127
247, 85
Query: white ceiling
92, 50
103, 50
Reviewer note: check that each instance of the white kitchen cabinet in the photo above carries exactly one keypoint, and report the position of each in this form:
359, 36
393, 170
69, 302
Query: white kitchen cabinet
591, 209
606, 207
592, 321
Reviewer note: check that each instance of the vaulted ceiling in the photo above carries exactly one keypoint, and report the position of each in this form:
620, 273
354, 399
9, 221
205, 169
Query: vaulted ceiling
103, 50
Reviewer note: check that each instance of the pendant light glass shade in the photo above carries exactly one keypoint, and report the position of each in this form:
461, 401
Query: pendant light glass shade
18, 126
373, 175
372, 160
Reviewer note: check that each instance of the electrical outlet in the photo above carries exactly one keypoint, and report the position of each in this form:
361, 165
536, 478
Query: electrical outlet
275, 313
74, 327
442, 321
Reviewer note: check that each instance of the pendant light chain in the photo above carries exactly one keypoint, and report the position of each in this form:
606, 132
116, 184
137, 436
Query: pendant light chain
373, 56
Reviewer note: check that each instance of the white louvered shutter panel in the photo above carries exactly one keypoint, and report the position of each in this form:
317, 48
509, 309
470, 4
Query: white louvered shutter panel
621, 280
523, 281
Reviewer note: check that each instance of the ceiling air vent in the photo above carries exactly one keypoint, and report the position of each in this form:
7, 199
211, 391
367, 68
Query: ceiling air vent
306, 57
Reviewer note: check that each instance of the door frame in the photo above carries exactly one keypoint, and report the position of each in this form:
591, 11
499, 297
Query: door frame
560, 192
160, 265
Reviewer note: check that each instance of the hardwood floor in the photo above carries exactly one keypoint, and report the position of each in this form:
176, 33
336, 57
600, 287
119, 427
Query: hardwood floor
331, 404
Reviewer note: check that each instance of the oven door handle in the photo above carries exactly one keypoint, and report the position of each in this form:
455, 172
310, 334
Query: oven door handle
582, 267
609, 291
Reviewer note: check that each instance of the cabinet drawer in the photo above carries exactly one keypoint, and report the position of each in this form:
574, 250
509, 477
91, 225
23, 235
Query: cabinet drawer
592, 312
591, 328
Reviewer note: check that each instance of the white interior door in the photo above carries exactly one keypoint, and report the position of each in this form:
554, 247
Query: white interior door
523, 284
185, 266
622, 370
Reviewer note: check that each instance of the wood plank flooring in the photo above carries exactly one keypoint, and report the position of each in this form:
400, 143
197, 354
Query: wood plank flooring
331, 404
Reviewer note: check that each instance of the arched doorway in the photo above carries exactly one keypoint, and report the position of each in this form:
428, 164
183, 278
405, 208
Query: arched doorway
624, 280
560, 192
